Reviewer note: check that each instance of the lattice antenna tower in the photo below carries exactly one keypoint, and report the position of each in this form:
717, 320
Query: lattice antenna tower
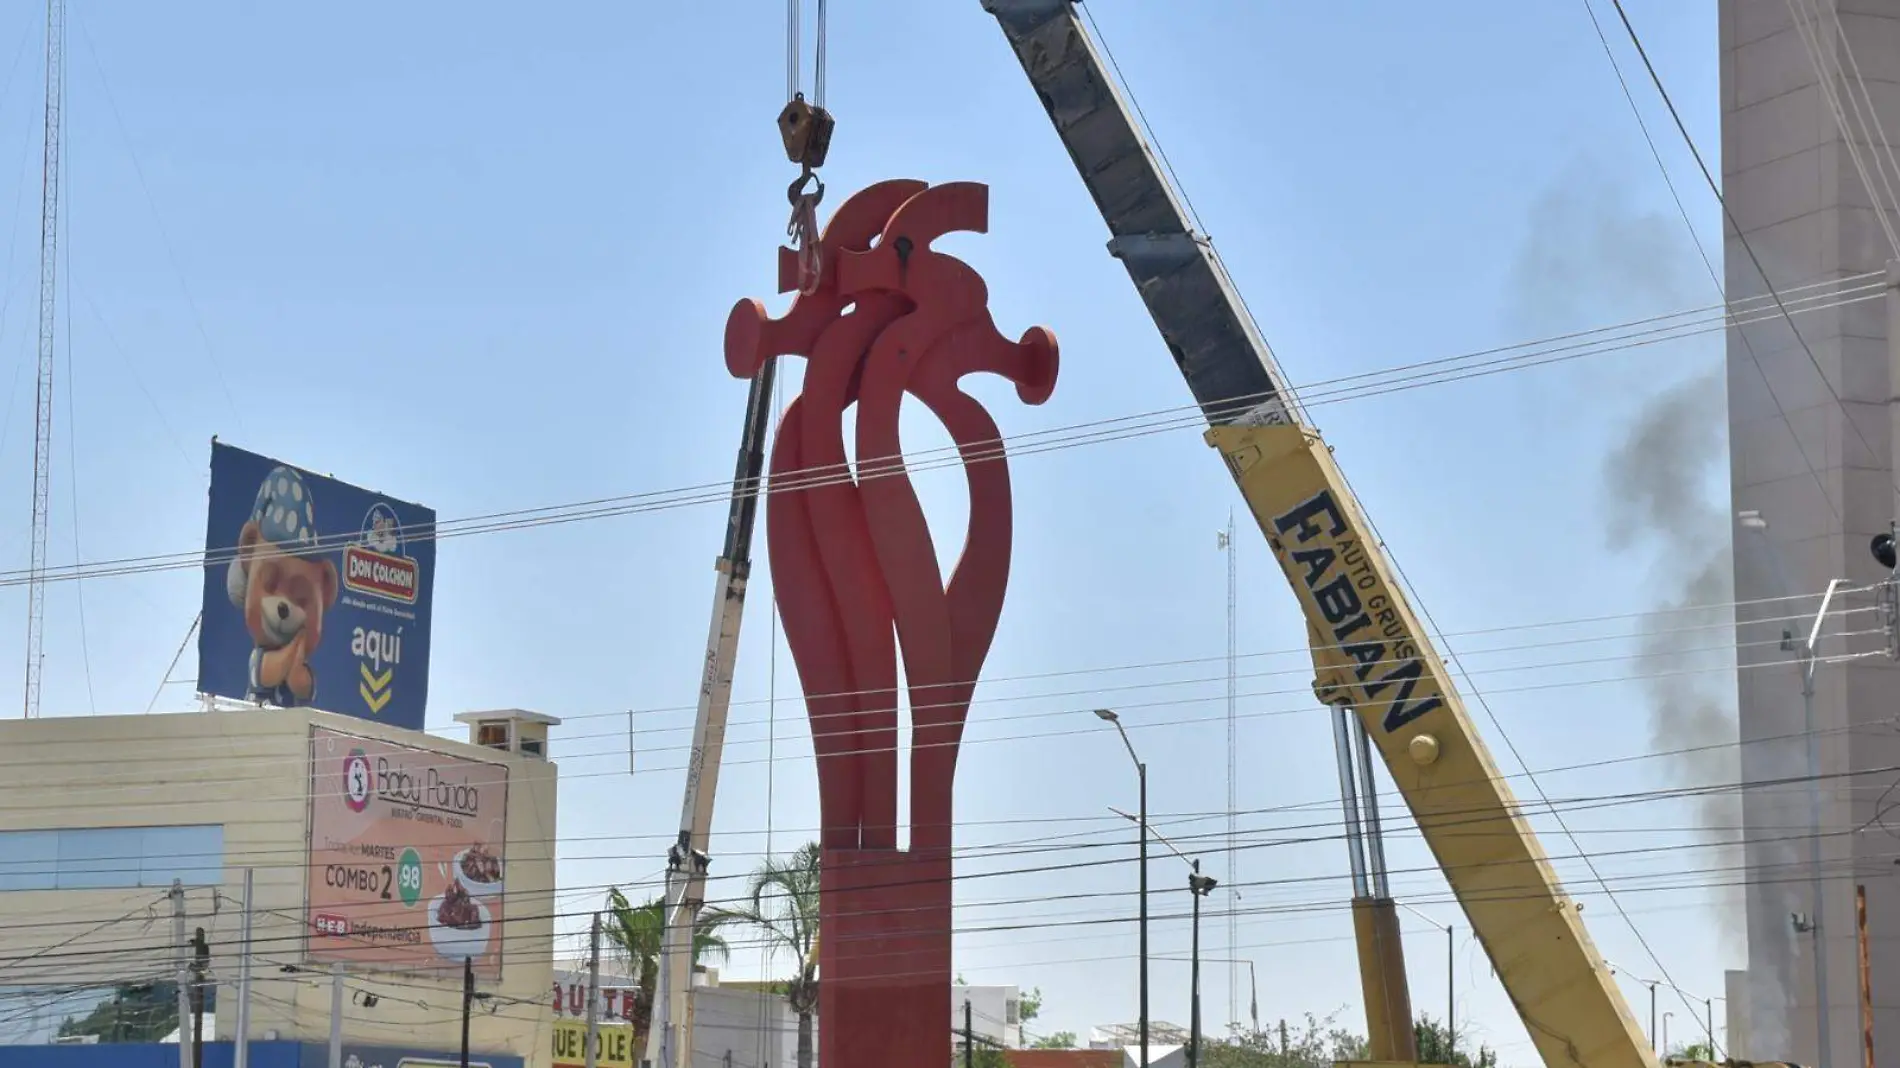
43, 400
1225, 540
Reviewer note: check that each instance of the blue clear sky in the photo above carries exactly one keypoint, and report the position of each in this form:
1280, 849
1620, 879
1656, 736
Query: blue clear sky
482, 258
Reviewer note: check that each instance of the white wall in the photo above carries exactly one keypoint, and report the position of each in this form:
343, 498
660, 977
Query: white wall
1796, 195
734, 1027
993, 1014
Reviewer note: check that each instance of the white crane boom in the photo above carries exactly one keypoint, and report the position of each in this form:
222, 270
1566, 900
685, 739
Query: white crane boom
670, 1036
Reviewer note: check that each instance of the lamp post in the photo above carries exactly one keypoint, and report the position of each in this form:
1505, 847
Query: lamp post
1199, 886
1807, 659
1451, 980
1141, 770
1708, 1007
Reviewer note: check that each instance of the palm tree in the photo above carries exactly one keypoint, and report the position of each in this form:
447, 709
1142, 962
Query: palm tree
636, 934
781, 898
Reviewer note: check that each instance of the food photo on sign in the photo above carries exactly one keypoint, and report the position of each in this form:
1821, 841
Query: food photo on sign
407, 869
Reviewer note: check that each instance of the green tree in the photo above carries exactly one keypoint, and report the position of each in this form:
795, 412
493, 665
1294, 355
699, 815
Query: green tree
1059, 1040
1316, 1044
1436, 1046
984, 1053
1028, 1005
635, 934
781, 899
136, 1012
1697, 1051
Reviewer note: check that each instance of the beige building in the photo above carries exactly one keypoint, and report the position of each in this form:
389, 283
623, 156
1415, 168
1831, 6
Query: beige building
98, 816
1812, 450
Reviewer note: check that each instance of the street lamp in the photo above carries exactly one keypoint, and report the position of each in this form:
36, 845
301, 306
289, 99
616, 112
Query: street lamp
1708, 1008
1199, 886
1806, 658
1141, 770
1451, 979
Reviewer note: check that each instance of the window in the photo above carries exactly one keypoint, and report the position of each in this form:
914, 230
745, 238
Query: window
1009, 1011
105, 858
494, 734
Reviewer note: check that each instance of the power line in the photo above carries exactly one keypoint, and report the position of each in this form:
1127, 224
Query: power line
1062, 438
1508, 892
112, 796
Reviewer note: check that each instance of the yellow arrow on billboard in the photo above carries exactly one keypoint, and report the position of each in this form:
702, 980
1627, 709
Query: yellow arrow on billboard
374, 689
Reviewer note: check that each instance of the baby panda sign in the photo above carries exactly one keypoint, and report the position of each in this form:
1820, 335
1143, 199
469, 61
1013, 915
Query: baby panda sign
316, 593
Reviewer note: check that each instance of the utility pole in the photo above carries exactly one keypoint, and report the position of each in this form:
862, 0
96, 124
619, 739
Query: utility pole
1653, 1037
468, 1002
241, 1051
1225, 539
1108, 715
336, 1015
969, 1037
1451, 996
183, 962
593, 992
1194, 976
1142, 770
1809, 662
200, 967
1199, 886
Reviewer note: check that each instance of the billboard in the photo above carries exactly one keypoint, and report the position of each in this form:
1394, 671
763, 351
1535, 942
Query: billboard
406, 864
317, 593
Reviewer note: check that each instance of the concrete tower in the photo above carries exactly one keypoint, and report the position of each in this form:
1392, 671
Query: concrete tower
1811, 449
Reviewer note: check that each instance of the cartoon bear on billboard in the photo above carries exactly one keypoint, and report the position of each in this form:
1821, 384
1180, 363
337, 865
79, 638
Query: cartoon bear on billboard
283, 584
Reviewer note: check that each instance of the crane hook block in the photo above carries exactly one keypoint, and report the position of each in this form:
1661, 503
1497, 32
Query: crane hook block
806, 130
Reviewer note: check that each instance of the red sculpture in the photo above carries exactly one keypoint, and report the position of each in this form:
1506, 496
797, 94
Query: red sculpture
857, 581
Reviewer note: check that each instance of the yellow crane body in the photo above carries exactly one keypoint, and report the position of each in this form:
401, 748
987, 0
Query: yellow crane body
1371, 655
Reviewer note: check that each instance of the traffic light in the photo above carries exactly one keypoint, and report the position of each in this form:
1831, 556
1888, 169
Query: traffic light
1883, 549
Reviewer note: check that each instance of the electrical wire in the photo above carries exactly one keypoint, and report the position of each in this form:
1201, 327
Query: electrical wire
1824, 81
1741, 235
116, 795
1061, 438
1472, 820
1842, 611
1754, 875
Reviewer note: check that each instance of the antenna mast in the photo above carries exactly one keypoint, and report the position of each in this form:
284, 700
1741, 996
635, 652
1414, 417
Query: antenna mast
43, 403
1225, 540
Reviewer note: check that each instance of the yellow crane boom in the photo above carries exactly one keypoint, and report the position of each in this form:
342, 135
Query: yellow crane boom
1371, 656
1370, 653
